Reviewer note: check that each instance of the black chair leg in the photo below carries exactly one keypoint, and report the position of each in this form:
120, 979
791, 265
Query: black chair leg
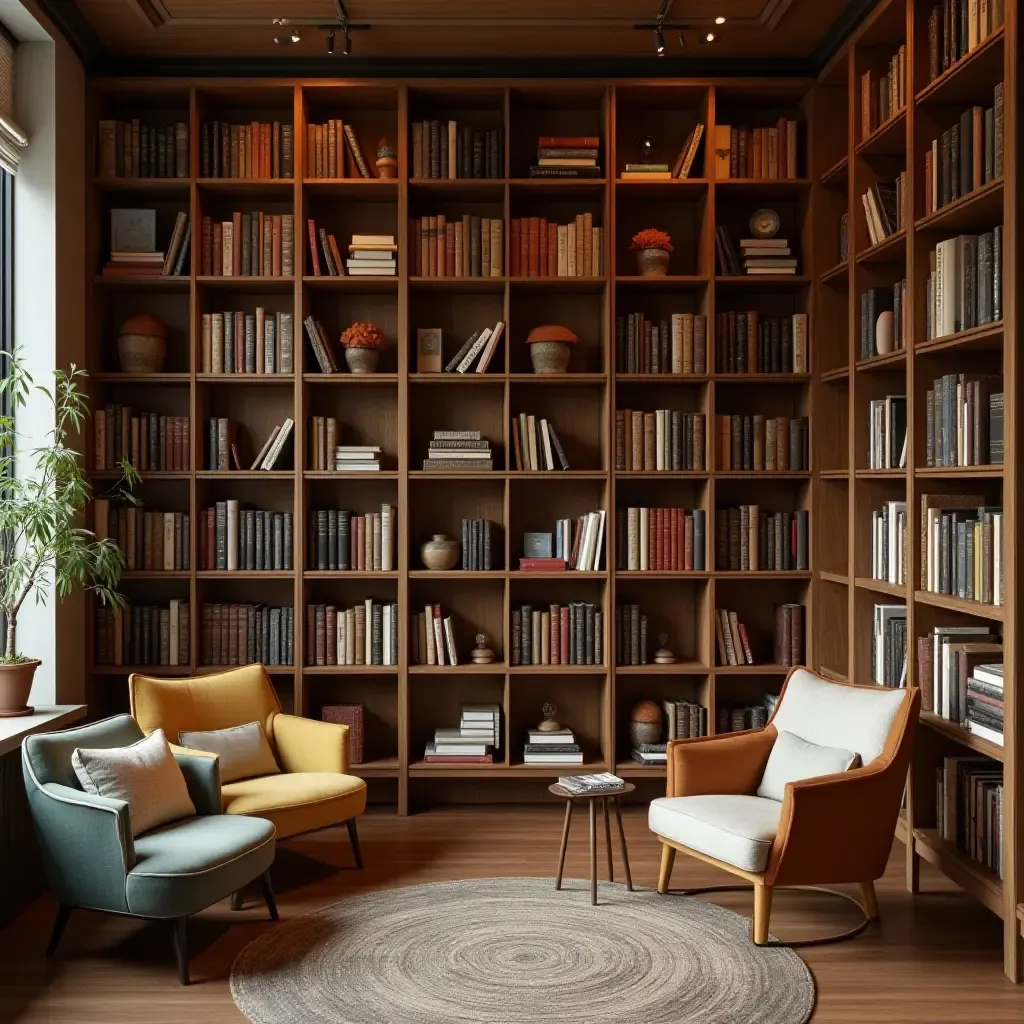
181, 948
237, 900
353, 837
60, 922
268, 894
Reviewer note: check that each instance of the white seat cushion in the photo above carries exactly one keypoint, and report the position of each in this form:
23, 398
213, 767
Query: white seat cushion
738, 830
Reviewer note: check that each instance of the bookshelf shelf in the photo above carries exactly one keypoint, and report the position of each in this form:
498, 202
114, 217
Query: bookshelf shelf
839, 374
881, 587
888, 139
764, 186
349, 574
366, 189
155, 574
146, 670
961, 472
274, 670
994, 612
834, 474
766, 669
880, 474
547, 670
839, 273
351, 670
248, 187
670, 282
246, 574
635, 770
463, 668
761, 378
556, 379
590, 187
762, 475
334, 474
662, 378
244, 474
688, 189
479, 189
677, 668
774, 282
588, 285
832, 673
383, 768
141, 282
266, 285
141, 378
655, 574
470, 285
837, 175
960, 735
834, 577
357, 285
891, 249
350, 379
884, 364
760, 575
987, 338
978, 209
972, 877
151, 186
250, 379
960, 83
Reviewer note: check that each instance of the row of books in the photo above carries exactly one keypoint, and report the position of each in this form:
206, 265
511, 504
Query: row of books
433, 638
137, 634
969, 809
885, 207
578, 543
966, 156
461, 450
479, 539
873, 303
536, 445
466, 246
956, 27
474, 741
768, 153
541, 248
131, 149
684, 719
340, 540
774, 444
964, 420
222, 451
323, 245
632, 635
947, 658
882, 96
479, 347
963, 549
889, 645
756, 256
887, 432
661, 440
660, 539
148, 440
333, 151
676, 344
133, 246
734, 642
748, 538
257, 150
571, 634
564, 156
235, 539
889, 543
240, 634
150, 541
732, 639
747, 342
326, 455
366, 634
740, 719
256, 244
965, 283
240, 342
446, 149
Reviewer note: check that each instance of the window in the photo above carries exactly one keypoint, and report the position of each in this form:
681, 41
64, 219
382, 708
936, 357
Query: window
6, 304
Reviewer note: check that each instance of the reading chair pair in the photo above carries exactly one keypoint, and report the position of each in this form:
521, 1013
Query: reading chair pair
812, 798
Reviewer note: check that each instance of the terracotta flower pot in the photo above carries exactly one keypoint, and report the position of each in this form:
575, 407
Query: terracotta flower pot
15, 686
142, 345
652, 262
362, 360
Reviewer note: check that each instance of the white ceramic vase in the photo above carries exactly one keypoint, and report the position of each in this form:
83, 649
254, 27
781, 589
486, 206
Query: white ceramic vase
884, 333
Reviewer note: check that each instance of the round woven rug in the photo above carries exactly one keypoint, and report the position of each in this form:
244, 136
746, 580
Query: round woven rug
514, 951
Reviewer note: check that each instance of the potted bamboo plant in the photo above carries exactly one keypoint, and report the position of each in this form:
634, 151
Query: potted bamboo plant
42, 546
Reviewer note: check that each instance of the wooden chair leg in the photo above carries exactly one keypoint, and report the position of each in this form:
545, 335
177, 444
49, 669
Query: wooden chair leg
622, 842
565, 843
608, 837
762, 912
868, 900
668, 858
593, 851
268, 894
237, 900
181, 948
353, 838
60, 922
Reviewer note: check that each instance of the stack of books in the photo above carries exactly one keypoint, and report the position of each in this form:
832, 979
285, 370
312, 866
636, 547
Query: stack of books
601, 782
372, 256
884, 206
558, 747
646, 172
473, 742
462, 450
946, 659
357, 458
767, 256
650, 753
984, 710
433, 638
133, 245
567, 156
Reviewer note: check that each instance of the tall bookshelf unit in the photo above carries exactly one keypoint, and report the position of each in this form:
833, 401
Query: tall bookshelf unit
398, 408
844, 164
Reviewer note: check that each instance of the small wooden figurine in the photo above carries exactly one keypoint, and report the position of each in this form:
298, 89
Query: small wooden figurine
481, 654
387, 164
663, 656
549, 724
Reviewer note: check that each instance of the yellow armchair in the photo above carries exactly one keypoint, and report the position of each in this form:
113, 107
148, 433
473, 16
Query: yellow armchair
313, 789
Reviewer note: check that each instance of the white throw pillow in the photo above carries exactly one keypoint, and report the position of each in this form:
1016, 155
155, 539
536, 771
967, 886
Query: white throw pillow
243, 750
145, 775
793, 759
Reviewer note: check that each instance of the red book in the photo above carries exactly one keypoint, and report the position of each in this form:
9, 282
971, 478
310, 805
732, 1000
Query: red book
236, 244
186, 445
275, 263
664, 515
541, 564
555, 631
524, 246
673, 525
533, 252
746, 643
569, 142
653, 540
513, 247
542, 247
563, 635
311, 224
552, 269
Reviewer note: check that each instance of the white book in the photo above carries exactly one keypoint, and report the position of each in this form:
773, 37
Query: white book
560, 737
459, 748
275, 452
947, 282
372, 254
546, 436
553, 758
387, 526
599, 546
643, 555
991, 674
232, 517
530, 441
339, 637
492, 344
449, 640
438, 638
357, 261
985, 733
368, 647
369, 271
475, 350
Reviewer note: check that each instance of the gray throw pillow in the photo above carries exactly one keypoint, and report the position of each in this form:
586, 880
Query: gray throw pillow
243, 750
793, 759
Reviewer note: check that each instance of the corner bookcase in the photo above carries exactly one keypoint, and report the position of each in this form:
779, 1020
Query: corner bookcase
399, 408
847, 159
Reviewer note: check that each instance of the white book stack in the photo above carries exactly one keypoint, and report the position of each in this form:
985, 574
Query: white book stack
372, 256
475, 740
459, 451
557, 747
357, 458
767, 256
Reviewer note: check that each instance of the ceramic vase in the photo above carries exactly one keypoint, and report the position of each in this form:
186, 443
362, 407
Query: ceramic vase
550, 356
652, 262
362, 360
440, 552
884, 335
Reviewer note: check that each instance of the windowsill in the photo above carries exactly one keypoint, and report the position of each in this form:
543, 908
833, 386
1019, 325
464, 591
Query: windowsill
45, 719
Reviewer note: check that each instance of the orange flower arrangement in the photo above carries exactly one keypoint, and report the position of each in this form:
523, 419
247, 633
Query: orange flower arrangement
651, 238
361, 335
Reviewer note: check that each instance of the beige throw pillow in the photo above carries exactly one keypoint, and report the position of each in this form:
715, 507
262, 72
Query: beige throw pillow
243, 750
145, 775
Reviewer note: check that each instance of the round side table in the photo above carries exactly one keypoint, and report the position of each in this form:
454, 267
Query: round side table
608, 798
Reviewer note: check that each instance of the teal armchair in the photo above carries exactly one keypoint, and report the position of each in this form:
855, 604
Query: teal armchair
93, 862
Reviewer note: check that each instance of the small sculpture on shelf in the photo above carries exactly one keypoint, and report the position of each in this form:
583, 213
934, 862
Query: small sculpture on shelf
142, 345
550, 348
764, 223
652, 249
481, 654
440, 552
645, 723
549, 722
885, 342
664, 656
387, 163
363, 344
648, 150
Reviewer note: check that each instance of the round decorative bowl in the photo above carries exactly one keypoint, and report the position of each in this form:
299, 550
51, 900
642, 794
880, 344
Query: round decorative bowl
362, 360
644, 732
440, 552
652, 262
550, 348
142, 345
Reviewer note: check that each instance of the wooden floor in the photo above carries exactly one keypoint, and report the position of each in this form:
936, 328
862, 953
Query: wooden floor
934, 958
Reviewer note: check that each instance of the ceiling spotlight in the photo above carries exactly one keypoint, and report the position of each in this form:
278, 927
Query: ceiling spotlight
659, 42
710, 37
285, 38
719, 20
330, 41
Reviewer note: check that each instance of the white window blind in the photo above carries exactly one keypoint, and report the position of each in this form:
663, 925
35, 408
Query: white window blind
12, 139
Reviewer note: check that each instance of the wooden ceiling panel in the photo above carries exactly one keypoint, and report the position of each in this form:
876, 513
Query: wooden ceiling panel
457, 28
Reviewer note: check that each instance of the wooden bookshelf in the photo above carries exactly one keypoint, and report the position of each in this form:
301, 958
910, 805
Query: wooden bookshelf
843, 165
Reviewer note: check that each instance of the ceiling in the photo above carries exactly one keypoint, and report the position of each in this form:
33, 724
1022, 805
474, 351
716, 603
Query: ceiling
392, 30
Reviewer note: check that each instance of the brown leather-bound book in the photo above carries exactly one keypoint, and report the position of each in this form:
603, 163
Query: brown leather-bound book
620, 439
782, 443
331, 635
721, 538
563, 635
580, 266
637, 439
440, 243
524, 247
542, 247
533, 248
756, 155
781, 639
675, 515
666, 534
588, 245
497, 248
216, 250
351, 715
206, 246
430, 260
687, 543
554, 623
552, 267
736, 441
650, 441
277, 242
514, 243
698, 442
770, 445
723, 448
320, 635
752, 326
236, 244
796, 635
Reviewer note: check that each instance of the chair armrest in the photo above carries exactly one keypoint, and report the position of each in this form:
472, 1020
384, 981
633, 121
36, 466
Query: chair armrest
202, 777
86, 844
719, 764
306, 745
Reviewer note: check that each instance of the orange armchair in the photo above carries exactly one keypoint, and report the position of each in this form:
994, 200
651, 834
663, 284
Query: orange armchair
833, 828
